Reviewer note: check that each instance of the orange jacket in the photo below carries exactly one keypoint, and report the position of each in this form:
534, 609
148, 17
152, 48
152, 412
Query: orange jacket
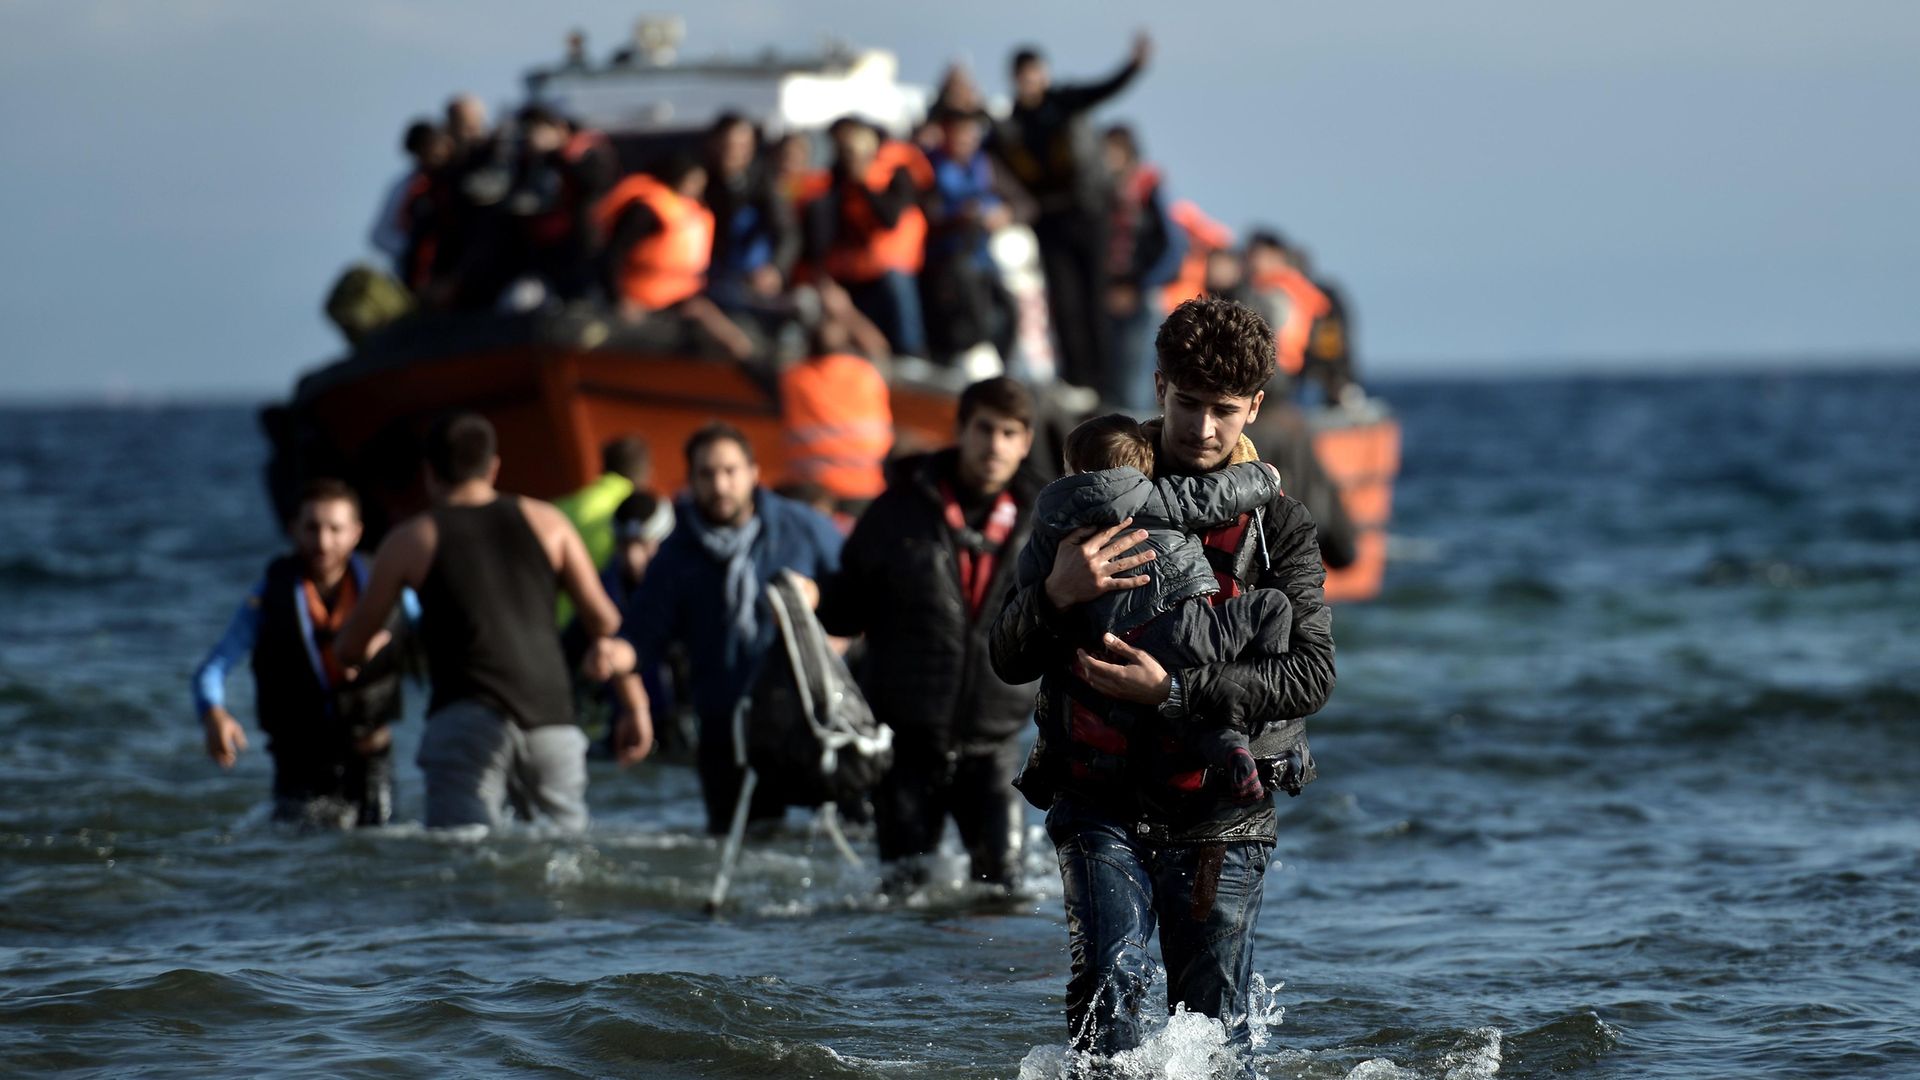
1305, 304
862, 249
838, 423
668, 266
1204, 237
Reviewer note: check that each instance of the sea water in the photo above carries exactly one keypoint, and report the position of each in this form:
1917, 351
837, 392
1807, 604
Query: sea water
1619, 779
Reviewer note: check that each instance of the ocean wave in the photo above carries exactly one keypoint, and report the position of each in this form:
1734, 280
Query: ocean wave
66, 569
1731, 571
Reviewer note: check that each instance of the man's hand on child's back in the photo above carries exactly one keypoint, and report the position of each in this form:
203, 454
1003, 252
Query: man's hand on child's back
1087, 561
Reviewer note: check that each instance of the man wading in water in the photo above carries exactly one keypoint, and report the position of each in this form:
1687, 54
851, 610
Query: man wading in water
1145, 835
488, 567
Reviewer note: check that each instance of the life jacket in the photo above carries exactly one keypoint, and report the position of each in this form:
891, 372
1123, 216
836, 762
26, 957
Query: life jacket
552, 226
838, 424
1328, 344
667, 266
1305, 304
1204, 237
297, 703
862, 248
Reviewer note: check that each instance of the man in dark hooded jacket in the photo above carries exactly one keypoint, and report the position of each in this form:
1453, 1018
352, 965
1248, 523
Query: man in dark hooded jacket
922, 576
1142, 840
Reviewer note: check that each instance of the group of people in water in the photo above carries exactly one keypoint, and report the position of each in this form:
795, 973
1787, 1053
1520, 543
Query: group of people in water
743, 244
1157, 612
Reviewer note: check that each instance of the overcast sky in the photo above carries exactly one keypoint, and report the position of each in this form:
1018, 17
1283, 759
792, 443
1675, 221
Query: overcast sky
1495, 183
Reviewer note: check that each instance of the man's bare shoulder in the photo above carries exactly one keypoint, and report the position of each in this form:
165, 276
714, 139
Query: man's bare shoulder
417, 533
545, 517
409, 547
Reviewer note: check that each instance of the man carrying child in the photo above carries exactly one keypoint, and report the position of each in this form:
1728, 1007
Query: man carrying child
1135, 764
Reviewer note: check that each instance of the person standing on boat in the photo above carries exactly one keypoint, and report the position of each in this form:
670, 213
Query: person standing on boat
328, 724
403, 230
488, 565
1048, 146
922, 576
867, 232
966, 303
706, 589
1142, 841
1143, 254
756, 238
564, 171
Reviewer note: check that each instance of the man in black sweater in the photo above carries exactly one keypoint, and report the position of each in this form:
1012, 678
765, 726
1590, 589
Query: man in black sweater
1143, 839
922, 576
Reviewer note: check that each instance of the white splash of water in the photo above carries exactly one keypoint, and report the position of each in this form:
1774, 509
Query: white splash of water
1183, 1046
1475, 1057
1188, 1046
1264, 1011
565, 868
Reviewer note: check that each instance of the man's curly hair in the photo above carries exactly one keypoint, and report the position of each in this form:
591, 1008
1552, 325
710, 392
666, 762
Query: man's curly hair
1216, 346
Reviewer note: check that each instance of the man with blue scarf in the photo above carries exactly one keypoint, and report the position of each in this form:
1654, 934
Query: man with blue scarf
327, 724
706, 589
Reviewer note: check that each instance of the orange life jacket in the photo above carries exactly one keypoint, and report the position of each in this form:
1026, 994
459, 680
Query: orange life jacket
1204, 237
1305, 304
838, 424
668, 266
862, 249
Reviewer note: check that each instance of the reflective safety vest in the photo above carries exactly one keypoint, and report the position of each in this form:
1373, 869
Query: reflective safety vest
863, 249
838, 424
1204, 237
668, 266
1305, 305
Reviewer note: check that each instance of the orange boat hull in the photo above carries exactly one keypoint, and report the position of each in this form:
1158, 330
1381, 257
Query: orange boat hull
1362, 460
558, 388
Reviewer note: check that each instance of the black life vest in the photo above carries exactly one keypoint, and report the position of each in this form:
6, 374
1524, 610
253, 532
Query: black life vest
294, 703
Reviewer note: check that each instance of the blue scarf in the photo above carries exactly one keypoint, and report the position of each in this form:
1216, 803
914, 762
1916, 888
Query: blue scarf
732, 546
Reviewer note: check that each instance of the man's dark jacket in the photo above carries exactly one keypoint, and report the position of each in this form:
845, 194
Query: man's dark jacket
927, 674
1265, 696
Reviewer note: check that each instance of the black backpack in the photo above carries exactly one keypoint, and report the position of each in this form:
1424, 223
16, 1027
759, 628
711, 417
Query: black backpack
808, 732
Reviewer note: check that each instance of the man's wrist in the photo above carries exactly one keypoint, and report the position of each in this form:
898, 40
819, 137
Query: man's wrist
1172, 702
1053, 603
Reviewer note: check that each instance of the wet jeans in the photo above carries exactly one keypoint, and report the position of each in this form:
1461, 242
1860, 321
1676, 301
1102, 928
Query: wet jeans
477, 763
1204, 898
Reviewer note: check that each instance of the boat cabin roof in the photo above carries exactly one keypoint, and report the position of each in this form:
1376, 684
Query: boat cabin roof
648, 90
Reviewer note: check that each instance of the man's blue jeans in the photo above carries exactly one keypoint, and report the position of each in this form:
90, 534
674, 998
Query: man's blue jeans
1116, 890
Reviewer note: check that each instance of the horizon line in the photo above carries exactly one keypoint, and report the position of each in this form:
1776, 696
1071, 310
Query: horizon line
1389, 370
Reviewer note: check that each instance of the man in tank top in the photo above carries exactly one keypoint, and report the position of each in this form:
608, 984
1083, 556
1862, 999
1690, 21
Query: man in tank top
488, 567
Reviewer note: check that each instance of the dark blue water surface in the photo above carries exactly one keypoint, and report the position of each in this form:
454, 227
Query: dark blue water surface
1620, 779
